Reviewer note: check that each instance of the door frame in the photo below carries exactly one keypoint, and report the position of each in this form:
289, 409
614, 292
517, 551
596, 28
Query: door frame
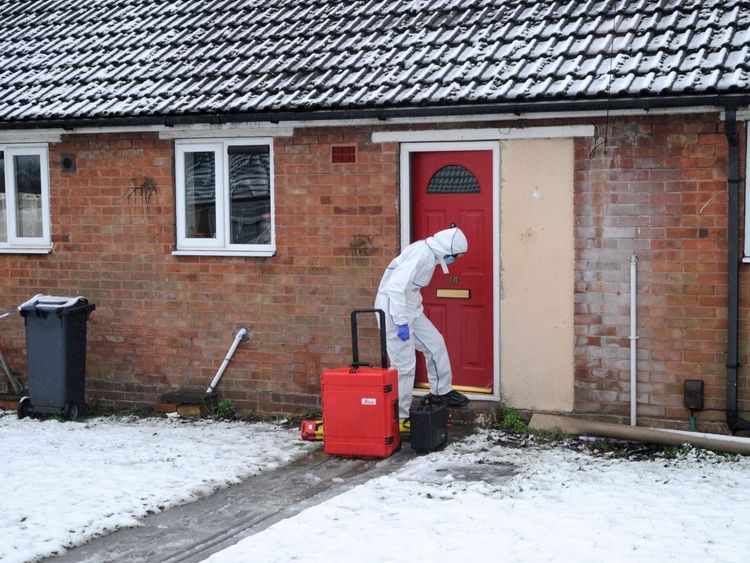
405, 219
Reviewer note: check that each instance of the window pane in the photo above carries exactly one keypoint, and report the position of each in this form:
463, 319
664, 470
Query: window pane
250, 195
200, 195
3, 220
453, 179
28, 195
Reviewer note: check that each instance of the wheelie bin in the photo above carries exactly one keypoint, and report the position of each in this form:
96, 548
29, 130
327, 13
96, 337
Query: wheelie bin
55, 355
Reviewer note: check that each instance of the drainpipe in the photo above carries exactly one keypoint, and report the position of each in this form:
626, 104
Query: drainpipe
241, 334
633, 342
579, 426
733, 266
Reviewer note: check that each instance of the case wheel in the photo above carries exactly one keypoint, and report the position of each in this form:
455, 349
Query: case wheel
24, 407
70, 411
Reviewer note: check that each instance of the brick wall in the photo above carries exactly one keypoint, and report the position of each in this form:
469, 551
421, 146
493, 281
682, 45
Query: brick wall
656, 188
653, 186
162, 321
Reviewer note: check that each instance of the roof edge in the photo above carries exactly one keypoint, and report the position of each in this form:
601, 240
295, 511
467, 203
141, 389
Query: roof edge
719, 101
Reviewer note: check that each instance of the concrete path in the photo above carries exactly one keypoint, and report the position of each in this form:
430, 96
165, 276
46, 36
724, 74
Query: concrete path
194, 531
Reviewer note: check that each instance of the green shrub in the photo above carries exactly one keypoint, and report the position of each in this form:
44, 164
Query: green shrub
512, 421
225, 408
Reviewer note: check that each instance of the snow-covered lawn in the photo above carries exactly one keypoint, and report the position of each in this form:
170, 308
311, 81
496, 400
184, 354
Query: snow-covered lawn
563, 505
63, 483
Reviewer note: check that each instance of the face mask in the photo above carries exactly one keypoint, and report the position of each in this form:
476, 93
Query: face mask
450, 259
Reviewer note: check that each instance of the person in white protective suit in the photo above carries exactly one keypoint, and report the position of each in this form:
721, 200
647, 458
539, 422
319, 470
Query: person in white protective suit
407, 328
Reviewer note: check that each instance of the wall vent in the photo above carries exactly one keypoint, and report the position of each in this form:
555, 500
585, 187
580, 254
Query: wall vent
343, 154
68, 163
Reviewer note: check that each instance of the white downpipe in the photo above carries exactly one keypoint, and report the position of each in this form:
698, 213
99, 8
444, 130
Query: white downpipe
633, 341
240, 335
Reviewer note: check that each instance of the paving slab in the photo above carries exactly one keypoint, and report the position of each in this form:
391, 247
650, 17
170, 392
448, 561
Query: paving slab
441, 470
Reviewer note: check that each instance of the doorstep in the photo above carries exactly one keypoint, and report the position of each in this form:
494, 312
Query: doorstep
482, 414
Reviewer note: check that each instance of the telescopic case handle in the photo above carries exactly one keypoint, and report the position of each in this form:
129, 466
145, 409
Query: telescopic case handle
355, 341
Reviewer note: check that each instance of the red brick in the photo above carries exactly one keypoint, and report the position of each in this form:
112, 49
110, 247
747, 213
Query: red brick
683, 261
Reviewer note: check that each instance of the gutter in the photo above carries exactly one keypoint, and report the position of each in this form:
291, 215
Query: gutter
383, 114
733, 268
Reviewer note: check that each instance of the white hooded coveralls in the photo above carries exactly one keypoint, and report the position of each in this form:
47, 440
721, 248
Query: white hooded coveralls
400, 296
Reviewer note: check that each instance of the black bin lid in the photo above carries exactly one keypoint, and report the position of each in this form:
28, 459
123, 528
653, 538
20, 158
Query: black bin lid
51, 303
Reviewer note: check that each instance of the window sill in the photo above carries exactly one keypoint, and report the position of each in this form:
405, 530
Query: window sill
221, 252
25, 249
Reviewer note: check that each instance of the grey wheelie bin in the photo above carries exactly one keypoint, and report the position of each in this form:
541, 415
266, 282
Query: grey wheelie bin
55, 355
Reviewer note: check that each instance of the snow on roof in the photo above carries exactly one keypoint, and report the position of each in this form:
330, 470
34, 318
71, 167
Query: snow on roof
76, 59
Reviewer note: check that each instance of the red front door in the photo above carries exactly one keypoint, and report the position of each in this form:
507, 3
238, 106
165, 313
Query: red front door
455, 188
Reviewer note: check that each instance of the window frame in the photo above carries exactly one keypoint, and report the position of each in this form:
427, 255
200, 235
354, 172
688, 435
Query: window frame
746, 242
220, 245
16, 244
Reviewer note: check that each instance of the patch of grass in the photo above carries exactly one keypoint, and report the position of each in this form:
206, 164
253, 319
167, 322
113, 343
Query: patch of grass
511, 421
95, 409
296, 419
313, 414
517, 433
619, 449
675, 452
264, 417
550, 435
686, 451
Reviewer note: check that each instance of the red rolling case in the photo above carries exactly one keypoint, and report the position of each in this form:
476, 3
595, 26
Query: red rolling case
360, 404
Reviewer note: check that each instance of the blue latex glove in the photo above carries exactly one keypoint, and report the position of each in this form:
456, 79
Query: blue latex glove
403, 332
450, 259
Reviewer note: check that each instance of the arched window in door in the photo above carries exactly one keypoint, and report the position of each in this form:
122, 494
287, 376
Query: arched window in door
453, 179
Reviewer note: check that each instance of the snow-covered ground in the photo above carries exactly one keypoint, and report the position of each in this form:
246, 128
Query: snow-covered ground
562, 505
64, 482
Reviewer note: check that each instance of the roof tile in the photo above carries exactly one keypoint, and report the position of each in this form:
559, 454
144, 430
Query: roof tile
68, 59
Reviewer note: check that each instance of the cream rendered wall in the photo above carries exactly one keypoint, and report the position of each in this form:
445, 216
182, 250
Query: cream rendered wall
536, 279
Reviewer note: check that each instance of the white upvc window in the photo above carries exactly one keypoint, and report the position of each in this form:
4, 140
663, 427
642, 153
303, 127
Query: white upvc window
746, 253
225, 197
24, 199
